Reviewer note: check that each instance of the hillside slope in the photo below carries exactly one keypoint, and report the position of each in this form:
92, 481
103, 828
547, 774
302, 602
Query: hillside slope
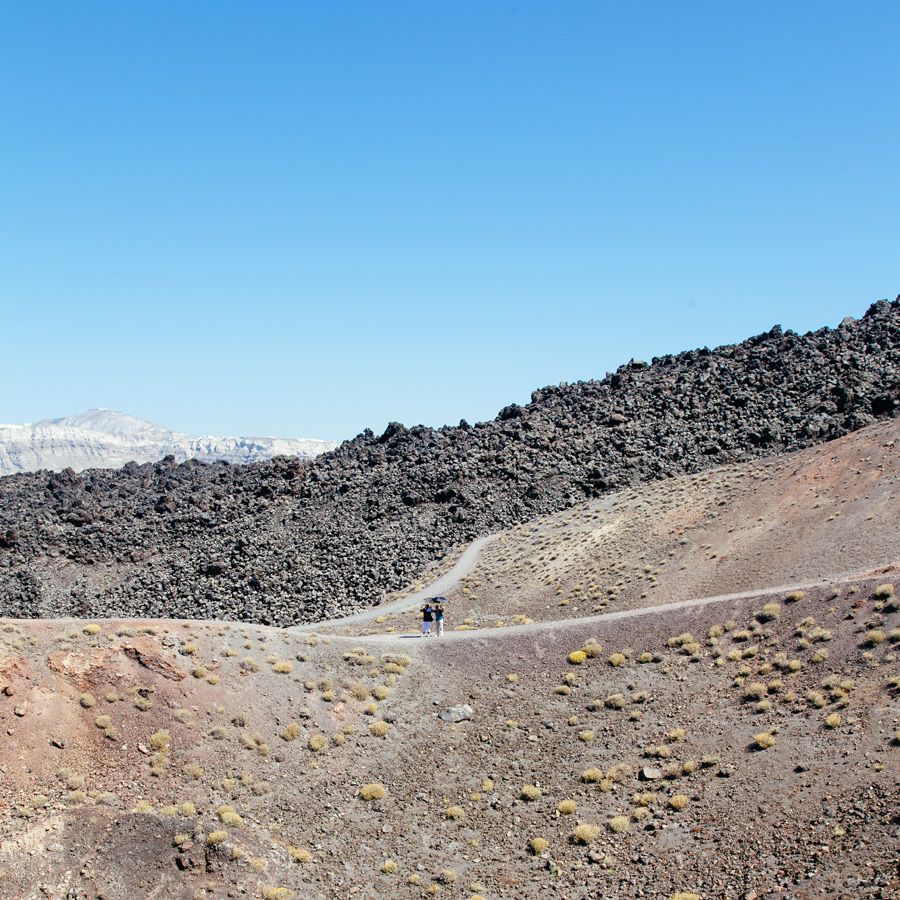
291, 541
618, 744
744, 748
802, 518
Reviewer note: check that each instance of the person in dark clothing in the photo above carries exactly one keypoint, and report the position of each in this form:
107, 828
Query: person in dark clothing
427, 619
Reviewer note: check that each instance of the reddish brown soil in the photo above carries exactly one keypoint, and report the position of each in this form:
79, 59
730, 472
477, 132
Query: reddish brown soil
82, 814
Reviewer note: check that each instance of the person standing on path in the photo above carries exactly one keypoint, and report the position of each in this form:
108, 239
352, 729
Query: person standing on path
427, 619
439, 619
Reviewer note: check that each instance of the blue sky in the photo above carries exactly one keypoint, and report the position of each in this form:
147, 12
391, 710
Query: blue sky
305, 219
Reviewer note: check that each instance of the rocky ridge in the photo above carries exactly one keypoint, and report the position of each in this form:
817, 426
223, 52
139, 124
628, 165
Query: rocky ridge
293, 541
102, 438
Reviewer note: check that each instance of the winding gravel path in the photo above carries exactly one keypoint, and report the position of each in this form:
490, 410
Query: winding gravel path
761, 593
445, 584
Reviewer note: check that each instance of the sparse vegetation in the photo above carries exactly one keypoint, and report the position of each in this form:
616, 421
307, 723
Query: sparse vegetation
372, 791
585, 834
228, 816
269, 892
770, 612
539, 846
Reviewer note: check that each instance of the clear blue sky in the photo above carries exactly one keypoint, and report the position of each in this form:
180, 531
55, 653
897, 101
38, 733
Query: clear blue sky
308, 218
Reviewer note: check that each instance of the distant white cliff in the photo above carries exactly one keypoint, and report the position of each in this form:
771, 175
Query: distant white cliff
103, 439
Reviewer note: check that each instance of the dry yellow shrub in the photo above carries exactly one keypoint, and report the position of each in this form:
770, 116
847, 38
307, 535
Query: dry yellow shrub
372, 791
585, 834
539, 845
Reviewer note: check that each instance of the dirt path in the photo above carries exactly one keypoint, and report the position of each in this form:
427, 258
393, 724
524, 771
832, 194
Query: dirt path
445, 584
762, 594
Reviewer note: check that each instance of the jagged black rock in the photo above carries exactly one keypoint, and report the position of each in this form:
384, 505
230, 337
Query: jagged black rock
288, 542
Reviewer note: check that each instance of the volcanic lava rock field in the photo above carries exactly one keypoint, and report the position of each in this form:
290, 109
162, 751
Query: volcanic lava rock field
289, 542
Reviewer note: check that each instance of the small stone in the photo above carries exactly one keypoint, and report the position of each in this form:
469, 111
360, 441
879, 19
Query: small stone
456, 713
650, 774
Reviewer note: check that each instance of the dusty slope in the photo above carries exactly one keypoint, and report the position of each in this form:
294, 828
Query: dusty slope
813, 815
802, 517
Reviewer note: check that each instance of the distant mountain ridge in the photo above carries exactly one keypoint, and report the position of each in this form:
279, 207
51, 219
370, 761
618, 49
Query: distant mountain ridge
104, 439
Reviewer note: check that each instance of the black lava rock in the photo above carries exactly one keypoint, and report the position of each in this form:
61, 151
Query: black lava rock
290, 541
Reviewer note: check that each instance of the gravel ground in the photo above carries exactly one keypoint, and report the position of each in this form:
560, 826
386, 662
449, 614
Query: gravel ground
746, 744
